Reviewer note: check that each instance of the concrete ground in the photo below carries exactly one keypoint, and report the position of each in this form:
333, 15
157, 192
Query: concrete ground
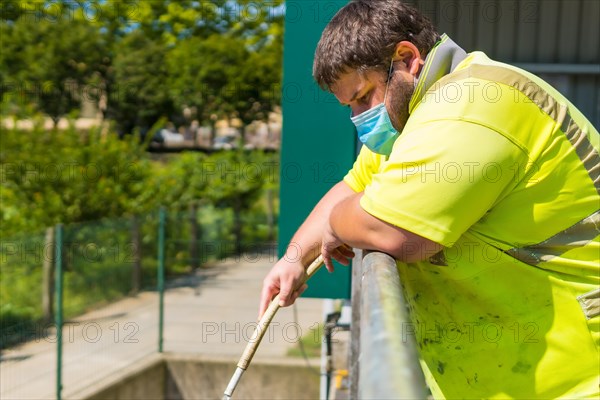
210, 313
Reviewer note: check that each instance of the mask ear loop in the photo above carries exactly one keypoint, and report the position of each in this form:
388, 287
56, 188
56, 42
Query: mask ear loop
387, 84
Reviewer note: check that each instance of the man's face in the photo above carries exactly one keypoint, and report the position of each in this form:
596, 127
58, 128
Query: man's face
363, 91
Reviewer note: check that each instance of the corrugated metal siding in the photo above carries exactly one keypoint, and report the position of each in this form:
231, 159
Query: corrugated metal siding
533, 32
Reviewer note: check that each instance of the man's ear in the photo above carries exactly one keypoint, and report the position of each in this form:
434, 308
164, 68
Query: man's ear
410, 57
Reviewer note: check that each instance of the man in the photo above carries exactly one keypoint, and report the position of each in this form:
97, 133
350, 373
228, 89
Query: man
483, 182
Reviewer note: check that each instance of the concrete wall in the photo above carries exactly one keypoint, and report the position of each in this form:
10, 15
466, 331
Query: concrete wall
176, 377
145, 380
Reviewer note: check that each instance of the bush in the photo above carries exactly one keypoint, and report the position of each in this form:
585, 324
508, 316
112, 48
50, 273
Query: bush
68, 176
95, 183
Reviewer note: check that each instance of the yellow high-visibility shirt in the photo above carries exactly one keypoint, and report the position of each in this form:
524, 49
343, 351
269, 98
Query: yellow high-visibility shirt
504, 171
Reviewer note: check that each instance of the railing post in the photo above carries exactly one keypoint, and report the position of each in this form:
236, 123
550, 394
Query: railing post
162, 217
328, 308
389, 363
59, 307
354, 353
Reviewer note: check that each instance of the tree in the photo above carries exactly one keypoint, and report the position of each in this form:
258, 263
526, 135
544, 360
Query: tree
203, 75
138, 90
50, 177
224, 58
260, 77
238, 190
178, 182
221, 77
50, 76
260, 84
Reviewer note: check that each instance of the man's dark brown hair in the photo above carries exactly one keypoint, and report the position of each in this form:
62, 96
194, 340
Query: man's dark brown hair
363, 36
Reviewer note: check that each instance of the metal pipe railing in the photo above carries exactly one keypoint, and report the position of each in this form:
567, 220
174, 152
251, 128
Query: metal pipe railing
389, 365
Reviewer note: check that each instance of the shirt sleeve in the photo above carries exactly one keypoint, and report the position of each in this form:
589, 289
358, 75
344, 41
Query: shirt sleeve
367, 163
442, 177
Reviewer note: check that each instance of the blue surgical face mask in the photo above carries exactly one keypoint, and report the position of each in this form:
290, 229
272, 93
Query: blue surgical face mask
374, 127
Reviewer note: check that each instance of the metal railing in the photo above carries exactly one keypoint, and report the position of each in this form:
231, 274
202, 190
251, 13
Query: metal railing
384, 364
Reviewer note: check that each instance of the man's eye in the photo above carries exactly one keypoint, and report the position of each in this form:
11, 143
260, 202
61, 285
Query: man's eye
363, 100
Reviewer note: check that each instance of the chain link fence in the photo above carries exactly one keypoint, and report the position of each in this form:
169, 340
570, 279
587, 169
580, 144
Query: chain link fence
77, 276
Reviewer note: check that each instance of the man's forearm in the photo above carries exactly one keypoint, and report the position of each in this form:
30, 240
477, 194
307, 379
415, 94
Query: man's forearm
357, 228
306, 242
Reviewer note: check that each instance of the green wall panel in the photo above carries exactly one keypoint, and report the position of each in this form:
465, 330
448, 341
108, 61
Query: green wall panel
318, 139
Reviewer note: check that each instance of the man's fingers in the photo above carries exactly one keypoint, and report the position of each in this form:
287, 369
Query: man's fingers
267, 294
328, 263
327, 254
346, 251
302, 289
294, 295
297, 294
285, 293
286, 296
342, 258
339, 257
286, 281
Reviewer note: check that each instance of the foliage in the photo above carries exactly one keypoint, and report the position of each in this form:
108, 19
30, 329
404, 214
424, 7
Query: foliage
221, 77
177, 181
97, 268
138, 92
50, 76
20, 286
203, 74
66, 176
227, 189
309, 345
140, 61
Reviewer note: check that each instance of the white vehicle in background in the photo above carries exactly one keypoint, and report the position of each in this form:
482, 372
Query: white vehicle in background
225, 143
170, 137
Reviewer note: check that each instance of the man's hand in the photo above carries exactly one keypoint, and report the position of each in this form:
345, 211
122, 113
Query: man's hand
284, 278
288, 272
333, 247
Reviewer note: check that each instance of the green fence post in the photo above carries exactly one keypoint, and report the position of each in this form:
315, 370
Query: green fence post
59, 307
162, 216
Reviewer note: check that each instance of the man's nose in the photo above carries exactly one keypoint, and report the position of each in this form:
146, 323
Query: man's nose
356, 110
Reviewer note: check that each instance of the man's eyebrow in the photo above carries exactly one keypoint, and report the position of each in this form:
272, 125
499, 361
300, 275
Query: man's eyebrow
354, 96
